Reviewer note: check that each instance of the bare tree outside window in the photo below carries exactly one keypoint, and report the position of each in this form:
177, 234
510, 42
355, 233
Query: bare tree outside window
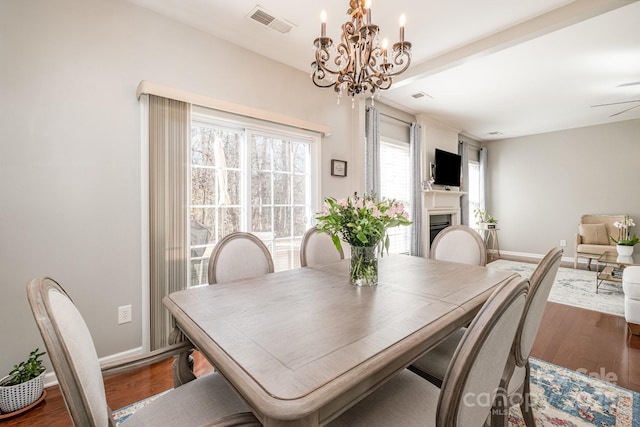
248, 180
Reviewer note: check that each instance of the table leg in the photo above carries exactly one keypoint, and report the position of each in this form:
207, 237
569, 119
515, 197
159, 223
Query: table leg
183, 363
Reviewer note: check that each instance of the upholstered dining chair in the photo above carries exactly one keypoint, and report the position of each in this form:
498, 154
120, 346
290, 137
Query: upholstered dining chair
239, 255
206, 400
318, 248
470, 384
515, 381
459, 243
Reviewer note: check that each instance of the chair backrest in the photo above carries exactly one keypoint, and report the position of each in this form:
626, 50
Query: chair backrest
473, 377
459, 243
541, 282
72, 352
596, 229
239, 255
318, 248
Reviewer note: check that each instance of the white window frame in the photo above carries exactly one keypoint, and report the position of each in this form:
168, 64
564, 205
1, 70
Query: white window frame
250, 127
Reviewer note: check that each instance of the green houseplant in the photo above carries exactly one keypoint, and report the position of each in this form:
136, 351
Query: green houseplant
24, 384
483, 219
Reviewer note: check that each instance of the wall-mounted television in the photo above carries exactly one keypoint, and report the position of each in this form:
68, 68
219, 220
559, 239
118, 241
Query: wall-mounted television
447, 168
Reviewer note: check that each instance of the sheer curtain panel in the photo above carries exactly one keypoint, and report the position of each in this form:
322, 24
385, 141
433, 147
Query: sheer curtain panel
169, 148
483, 177
463, 150
372, 148
416, 189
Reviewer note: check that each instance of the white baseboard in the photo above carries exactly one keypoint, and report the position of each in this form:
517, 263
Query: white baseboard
539, 256
50, 378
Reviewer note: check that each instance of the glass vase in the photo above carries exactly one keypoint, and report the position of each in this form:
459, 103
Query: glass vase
364, 266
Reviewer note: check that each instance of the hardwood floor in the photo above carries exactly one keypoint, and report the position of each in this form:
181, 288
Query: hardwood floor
594, 343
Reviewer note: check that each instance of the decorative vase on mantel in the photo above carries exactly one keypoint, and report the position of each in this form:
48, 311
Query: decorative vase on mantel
624, 250
363, 270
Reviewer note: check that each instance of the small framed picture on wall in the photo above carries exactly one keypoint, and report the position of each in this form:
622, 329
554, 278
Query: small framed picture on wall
338, 167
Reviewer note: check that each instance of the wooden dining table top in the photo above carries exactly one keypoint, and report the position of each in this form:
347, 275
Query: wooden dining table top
301, 346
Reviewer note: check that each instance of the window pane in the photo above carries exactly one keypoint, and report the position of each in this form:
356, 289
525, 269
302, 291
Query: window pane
261, 188
261, 154
282, 222
300, 157
281, 189
395, 181
281, 155
261, 219
300, 191
203, 186
301, 220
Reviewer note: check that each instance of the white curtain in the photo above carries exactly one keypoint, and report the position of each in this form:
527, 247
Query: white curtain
169, 148
463, 150
372, 149
416, 186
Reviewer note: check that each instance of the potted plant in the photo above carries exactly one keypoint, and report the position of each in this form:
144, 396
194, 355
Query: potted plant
625, 242
362, 221
23, 385
484, 221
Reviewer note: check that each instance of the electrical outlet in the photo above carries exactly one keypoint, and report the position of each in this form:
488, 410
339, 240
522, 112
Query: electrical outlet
124, 314
563, 243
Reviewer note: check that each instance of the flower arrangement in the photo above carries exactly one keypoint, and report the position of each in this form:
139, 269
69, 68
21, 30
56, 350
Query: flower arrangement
624, 237
360, 220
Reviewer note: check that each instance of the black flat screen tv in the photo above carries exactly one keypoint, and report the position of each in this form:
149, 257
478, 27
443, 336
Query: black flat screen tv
447, 168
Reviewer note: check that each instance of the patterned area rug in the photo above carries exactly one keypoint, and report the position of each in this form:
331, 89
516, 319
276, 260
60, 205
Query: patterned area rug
120, 415
560, 397
574, 287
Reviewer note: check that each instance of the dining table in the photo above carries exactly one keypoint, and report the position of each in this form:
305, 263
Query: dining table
302, 346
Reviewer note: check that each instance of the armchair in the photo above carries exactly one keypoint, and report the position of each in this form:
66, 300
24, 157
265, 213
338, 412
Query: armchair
592, 239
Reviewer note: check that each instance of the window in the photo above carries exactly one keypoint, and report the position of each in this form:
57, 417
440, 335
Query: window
474, 189
254, 179
395, 183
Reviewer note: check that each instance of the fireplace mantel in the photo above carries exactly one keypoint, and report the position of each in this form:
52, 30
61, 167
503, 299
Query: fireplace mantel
438, 202
441, 199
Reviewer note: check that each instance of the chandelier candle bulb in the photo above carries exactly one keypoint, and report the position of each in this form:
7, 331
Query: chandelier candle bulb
385, 43
403, 20
323, 23
368, 8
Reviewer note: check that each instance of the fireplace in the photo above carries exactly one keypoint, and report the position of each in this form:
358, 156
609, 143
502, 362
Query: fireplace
440, 209
437, 223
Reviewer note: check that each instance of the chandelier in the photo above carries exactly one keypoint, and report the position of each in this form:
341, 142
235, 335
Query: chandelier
361, 63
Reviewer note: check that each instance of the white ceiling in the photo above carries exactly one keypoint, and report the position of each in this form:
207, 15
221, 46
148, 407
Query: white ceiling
514, 67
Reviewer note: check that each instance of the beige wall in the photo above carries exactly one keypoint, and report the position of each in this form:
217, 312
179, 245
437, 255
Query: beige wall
540, 185
70, 148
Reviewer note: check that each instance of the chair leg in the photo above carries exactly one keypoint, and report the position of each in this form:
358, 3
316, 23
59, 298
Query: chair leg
525, 405
500, 409
589, 264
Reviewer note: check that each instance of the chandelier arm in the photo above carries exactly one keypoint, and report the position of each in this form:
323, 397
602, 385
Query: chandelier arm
401, 57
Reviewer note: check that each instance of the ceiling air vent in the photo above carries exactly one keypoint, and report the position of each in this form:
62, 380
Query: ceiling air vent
263, 17
422, 95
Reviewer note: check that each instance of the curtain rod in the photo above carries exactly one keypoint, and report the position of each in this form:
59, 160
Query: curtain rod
394, 118
474, 146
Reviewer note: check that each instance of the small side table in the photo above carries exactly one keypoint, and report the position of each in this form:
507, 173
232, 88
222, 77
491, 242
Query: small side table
490, 237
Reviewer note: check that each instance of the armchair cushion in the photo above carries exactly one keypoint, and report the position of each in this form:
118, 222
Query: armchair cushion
594, 234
